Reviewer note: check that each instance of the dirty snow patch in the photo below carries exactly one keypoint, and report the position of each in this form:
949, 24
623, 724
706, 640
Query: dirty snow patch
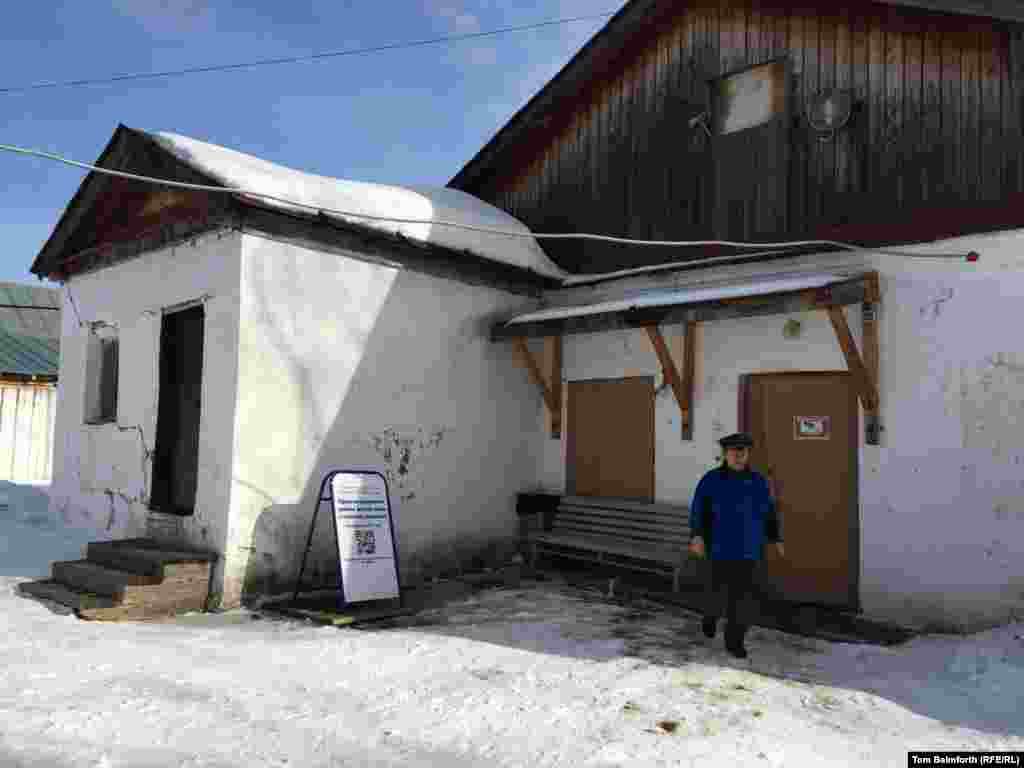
546, 675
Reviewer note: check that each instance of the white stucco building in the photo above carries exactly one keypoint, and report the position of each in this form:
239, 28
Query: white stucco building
254, 348
325, 340
935, 529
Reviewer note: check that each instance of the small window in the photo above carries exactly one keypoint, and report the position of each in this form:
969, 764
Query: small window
750, 97
101, 367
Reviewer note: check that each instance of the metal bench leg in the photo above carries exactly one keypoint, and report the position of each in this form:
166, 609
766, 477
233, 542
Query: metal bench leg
675, 579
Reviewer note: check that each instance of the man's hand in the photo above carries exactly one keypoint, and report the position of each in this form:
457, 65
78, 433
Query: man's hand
697, 546
780, 548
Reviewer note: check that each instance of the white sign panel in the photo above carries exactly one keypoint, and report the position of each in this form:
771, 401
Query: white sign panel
812, 427
361, 509
751, 97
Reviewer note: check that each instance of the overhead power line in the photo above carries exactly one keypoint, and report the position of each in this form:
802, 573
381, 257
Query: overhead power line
971, 256
298, 59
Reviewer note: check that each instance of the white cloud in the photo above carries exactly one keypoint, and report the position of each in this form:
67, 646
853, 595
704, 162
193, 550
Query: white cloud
167, 15
466, 23
518, 86
461, 21
522, 86
456, 17
483, 56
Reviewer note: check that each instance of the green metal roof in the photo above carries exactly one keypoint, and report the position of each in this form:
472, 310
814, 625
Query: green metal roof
28, 355
30, 310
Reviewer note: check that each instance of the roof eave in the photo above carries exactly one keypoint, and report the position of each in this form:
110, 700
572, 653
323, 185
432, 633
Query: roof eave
392, 248
1004, 10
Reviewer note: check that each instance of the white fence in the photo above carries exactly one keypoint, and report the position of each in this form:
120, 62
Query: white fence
26, 432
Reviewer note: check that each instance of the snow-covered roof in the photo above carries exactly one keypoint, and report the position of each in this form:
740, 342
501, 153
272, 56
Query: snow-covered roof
692, 294
429, 204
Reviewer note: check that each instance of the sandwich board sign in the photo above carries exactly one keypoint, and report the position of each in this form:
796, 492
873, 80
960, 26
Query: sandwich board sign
366, 546
364, 536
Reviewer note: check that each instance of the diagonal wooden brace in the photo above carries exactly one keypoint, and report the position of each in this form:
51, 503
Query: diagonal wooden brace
552, 394
865, 375
682, 385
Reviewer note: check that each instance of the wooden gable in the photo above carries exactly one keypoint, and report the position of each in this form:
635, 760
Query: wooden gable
110, 212
933, 147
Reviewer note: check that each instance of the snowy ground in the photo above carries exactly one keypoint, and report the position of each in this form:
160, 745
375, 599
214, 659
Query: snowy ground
541, 676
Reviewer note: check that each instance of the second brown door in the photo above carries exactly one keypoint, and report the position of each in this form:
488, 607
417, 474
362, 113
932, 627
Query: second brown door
611, 438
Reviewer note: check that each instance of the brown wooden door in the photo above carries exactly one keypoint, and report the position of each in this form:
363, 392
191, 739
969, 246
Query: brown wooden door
806, 442
611, 438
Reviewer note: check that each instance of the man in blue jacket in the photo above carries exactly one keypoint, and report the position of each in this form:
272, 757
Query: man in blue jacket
731, 516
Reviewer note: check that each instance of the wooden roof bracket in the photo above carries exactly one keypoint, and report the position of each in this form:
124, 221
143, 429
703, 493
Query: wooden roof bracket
864, 370
682, 385
550, 385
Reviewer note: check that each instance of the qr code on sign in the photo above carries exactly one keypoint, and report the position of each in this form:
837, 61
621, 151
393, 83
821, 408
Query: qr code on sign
365, 543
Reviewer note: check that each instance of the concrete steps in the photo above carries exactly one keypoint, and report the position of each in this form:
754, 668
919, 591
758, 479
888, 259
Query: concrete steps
74, 599
129, 580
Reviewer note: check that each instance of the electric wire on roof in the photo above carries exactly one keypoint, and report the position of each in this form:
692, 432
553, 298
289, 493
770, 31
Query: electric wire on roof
573, 280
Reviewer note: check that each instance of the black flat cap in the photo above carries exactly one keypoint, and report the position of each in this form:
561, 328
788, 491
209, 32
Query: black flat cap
737, 440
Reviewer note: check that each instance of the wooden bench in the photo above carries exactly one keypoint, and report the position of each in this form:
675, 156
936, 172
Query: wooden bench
631, 534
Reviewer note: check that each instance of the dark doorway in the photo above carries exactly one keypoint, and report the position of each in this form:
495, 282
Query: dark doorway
806, 442
176, 457
611, 439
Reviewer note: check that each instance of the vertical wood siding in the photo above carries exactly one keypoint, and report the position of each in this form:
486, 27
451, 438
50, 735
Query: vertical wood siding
939, 124
26, 432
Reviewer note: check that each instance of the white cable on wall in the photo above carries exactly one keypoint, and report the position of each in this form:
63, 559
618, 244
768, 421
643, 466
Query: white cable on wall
574, 280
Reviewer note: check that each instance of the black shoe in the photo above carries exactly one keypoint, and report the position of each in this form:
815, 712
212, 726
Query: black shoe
709, 626
734, 641
737, 650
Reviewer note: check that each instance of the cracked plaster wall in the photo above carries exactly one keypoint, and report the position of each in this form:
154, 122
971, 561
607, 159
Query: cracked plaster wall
345, 363
102, 473
942, 499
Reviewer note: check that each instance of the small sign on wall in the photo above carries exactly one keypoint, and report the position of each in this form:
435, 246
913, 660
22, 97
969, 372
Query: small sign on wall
750, 97
812, 428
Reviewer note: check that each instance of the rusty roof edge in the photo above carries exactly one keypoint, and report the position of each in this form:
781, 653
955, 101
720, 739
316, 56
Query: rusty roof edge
1004, 10
620, 23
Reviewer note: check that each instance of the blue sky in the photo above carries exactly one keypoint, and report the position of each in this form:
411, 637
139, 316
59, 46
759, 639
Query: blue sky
413, 116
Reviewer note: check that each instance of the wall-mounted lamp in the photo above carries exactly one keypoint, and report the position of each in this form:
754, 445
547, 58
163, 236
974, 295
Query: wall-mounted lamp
828, 111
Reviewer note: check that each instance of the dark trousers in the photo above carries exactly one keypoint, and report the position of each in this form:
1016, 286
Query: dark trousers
736, 579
